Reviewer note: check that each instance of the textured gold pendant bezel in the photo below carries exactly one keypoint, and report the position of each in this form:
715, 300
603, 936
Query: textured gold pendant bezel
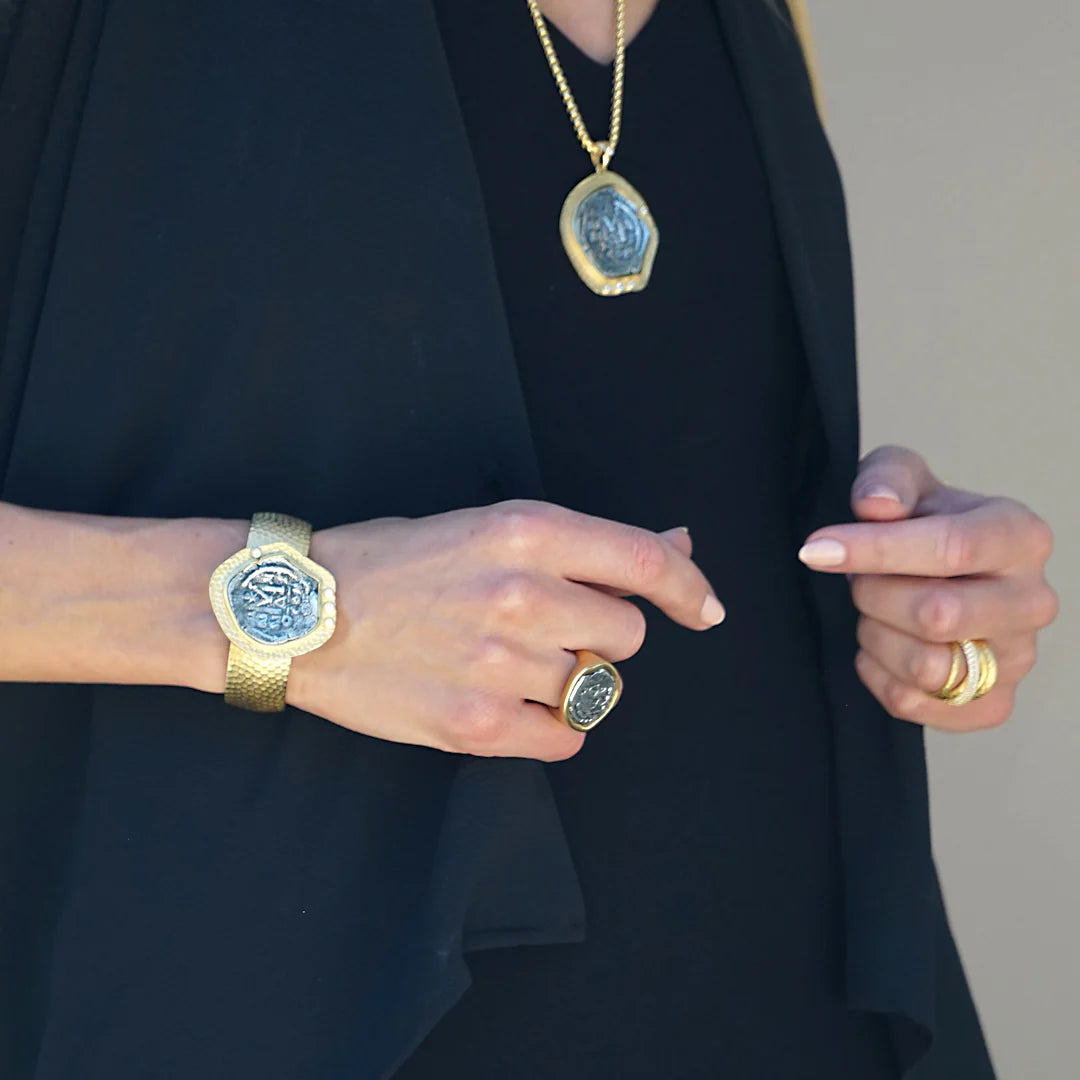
219, 601
599, 282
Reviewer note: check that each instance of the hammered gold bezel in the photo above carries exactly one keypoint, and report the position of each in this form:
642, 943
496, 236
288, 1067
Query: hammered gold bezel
600, 283
219, 601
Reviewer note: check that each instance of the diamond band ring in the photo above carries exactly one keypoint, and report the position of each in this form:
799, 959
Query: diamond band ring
976, 660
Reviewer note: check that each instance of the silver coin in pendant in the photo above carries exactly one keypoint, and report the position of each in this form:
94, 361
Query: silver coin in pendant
609, 234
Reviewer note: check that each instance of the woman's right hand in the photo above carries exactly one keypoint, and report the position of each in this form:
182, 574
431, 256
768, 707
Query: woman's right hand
457, 630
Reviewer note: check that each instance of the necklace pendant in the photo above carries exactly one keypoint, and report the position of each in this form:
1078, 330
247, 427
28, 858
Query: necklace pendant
609, 234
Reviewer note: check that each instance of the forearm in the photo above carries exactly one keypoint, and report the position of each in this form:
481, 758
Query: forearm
86, 598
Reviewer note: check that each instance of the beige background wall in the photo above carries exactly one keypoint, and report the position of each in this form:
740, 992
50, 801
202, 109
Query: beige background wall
957, 130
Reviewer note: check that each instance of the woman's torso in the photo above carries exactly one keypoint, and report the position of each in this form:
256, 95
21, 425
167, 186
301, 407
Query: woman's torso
249, 269
700, 814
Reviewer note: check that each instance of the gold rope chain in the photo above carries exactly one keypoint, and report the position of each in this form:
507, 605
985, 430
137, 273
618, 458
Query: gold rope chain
602, 151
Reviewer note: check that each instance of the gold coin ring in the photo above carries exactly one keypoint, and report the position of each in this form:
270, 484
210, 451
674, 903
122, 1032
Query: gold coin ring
591, 692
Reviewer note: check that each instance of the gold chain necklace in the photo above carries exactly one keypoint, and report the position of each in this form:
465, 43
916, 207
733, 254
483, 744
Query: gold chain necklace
607, 229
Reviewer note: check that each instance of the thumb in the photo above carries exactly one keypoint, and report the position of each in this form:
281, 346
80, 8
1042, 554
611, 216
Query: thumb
890, 484
679, 537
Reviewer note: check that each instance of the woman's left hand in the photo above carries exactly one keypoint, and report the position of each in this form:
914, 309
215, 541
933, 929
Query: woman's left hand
931, 564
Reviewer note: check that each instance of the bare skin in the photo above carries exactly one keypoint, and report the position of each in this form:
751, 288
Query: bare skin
590, 24
929, 564
87, 598
454, 631
457, 630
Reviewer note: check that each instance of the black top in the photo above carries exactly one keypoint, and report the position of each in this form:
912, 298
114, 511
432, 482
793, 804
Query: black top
246, 262
700, 814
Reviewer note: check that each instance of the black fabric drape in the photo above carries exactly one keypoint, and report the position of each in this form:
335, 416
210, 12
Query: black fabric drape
890, 882
204, 193
218, 166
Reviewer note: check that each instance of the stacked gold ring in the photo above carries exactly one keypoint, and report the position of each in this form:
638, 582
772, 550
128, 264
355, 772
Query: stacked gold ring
591, 691
972, 674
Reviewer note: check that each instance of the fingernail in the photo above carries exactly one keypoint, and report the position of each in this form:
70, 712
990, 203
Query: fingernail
823, 553
685, 529
712, 611
879, 491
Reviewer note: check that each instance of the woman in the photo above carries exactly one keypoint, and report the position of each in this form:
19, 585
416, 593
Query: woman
307, 260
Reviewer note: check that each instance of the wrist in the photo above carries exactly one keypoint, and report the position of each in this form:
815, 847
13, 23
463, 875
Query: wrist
185, 639
90, 598
273, 602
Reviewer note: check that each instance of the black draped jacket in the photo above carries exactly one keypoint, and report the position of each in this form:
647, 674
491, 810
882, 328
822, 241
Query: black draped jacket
173, 175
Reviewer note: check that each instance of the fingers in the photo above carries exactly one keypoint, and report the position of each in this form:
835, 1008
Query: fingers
544, 737
583, 548
546, 613
939, 611
471, 620
499, 665
926, 665
906, 702
996, 537
489, 724
891, 482
590, 619
680, 538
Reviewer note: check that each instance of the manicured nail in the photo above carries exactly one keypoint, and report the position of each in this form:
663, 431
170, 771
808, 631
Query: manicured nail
823, 553
685, 529
712, 611
879, 491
